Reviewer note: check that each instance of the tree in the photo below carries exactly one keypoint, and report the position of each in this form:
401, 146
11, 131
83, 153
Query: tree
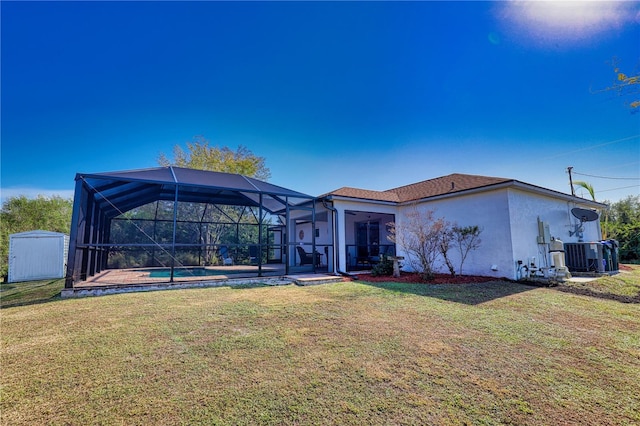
623, 224
201, 156
424, 238
626, 86
204, 224
420, 236
21, 214
444, 245
586, 186
626, 210
466, 238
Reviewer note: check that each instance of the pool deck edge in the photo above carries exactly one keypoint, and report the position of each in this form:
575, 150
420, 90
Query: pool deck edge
107, 289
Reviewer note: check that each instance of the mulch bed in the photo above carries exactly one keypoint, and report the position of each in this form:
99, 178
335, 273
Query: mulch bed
414, 278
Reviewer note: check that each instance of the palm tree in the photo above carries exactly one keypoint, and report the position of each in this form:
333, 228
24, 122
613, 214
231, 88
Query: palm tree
588, 187
592, 192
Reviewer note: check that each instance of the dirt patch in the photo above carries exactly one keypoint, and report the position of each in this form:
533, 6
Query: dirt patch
585, 291
415, 278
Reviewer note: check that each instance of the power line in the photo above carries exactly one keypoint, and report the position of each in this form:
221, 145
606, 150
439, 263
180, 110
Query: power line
594, 146
615, 189
618, 166
605, 177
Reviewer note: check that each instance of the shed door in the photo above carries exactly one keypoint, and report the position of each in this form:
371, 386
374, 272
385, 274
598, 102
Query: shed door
35, 258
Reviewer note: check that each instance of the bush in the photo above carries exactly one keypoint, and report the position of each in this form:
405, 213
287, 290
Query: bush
427, 276
383, 268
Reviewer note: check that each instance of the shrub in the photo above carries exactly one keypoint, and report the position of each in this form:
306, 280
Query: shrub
420, 236
385, 267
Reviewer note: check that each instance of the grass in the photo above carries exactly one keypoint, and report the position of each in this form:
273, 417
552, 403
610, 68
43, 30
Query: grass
347, 353
27, 293
624, 286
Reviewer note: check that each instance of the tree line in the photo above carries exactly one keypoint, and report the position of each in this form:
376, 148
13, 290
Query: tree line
621, 222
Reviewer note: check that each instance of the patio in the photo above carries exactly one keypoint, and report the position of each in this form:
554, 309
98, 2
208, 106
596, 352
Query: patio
115, 281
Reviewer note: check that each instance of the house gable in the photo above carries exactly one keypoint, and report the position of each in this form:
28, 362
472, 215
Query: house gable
445, 185
452, 185
364, 194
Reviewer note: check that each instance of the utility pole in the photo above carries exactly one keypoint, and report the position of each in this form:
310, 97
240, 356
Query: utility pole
573, 192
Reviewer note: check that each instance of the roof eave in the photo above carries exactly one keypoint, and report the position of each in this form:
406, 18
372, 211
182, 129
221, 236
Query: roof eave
557, 194
511, 184
359, 200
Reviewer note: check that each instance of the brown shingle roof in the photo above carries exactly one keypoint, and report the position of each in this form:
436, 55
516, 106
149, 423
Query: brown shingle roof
429, 188
365, 194
444, 185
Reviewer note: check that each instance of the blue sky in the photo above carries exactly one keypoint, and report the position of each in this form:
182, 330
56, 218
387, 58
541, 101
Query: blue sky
370, 95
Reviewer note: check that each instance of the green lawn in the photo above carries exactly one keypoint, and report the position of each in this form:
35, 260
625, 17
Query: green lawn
347, 353
27, 293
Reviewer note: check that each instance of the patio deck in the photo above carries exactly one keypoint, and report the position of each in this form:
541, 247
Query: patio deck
141, 279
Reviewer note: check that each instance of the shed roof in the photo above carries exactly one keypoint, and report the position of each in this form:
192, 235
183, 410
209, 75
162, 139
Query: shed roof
37, 233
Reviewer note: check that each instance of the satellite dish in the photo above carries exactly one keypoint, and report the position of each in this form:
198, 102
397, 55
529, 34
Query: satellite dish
584, 215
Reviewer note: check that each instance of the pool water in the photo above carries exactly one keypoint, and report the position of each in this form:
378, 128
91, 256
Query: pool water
190, 272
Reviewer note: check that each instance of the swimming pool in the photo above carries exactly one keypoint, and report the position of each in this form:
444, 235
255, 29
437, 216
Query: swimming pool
193, 272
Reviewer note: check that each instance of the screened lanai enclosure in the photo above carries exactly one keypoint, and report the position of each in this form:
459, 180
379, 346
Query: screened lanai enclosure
173, 224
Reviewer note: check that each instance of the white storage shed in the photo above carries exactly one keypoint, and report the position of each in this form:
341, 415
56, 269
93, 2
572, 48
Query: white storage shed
37, 255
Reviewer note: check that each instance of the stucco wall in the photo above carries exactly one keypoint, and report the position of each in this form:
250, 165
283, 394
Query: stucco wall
526, 208
508, 218
323, 236
490, 211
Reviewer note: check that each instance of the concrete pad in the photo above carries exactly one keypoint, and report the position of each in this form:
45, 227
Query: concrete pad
581, 279
314, 279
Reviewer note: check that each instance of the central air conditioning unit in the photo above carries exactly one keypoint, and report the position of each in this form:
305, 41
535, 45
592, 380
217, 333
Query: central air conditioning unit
597, 257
